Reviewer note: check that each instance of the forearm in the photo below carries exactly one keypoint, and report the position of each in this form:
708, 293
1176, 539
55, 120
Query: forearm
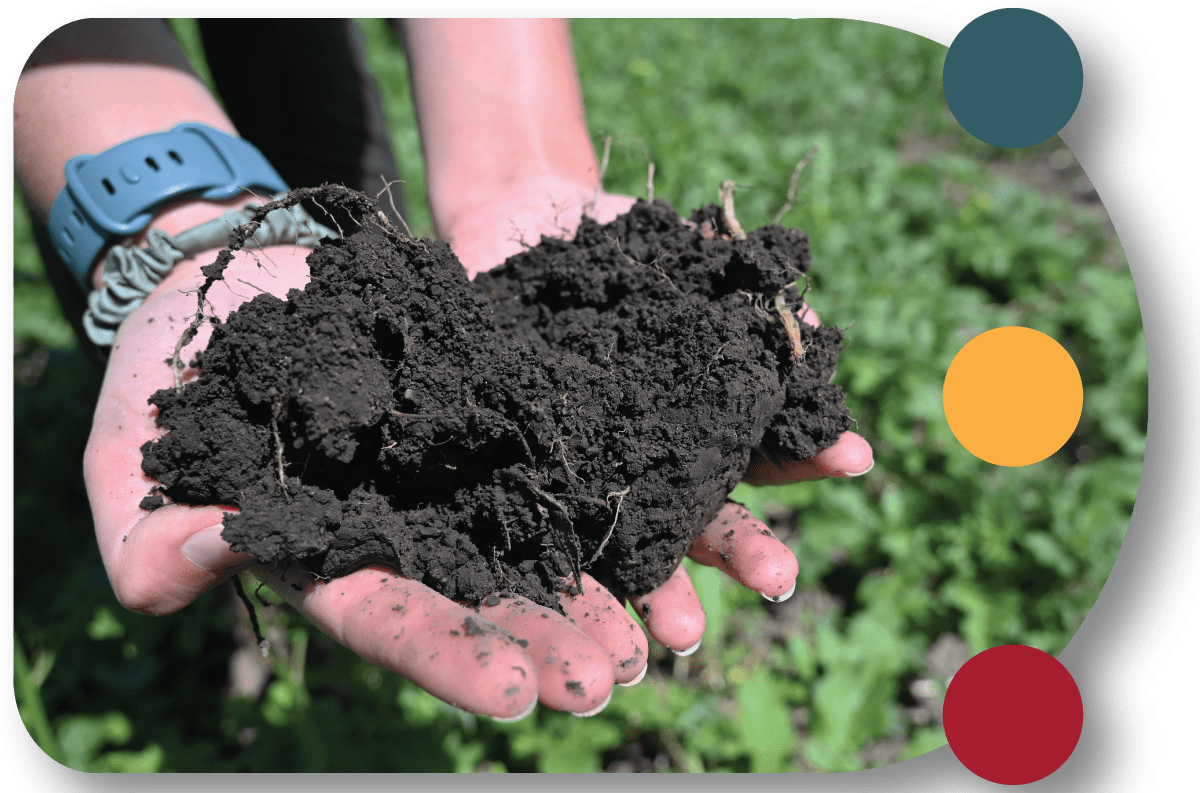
97, 83
499, 106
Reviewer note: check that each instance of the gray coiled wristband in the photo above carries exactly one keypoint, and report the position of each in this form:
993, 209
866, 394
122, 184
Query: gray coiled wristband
130, 274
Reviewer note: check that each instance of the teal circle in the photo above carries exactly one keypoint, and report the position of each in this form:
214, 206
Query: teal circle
1012, 78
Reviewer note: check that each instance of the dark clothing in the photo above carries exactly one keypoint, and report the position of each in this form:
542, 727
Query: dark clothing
312, 108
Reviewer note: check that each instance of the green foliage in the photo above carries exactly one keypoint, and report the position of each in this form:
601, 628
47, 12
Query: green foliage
917, 248
36, 317
390, 68
765, 723
187, 32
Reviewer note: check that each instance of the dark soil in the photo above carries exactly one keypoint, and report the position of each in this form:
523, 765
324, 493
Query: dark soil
587, 406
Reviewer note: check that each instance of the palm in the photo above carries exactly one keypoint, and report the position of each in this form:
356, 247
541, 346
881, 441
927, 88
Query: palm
485, 235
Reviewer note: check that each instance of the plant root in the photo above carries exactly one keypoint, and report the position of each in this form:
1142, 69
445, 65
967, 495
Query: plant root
387, 187
238, 237
652, 265
620, 494
791, 325
559, 537
264, 646
590, 207
279, 448
726, 194
795, 180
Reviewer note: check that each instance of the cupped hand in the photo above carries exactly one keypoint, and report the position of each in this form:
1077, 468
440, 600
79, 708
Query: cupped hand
160, 561
499, 659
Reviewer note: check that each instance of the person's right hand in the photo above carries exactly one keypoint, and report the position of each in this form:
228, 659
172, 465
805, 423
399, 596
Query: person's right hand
499, 661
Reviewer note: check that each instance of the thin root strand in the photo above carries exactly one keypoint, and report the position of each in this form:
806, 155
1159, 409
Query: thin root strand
726, 194
387, 187
620, 496
279, 448
795, 180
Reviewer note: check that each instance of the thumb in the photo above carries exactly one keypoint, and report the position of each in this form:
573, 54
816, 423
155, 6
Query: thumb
169, 558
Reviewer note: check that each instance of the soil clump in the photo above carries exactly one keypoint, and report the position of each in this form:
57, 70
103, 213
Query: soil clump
587, 406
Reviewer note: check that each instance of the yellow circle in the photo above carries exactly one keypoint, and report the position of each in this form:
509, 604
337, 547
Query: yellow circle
1012, 396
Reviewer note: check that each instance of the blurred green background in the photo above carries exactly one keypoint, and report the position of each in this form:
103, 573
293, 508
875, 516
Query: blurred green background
922, 238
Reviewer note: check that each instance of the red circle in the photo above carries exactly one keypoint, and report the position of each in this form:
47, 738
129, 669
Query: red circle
1013, 714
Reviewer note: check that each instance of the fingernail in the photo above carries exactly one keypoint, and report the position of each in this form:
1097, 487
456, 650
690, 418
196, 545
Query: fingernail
860, 473
637, 679
519, 716
783, 597
689, 650
208, 551
596, 709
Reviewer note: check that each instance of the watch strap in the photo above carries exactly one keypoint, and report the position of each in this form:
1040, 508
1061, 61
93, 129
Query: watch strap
117, 193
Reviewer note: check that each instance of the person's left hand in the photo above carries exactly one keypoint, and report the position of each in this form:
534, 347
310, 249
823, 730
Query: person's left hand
742, 546
735, 542
484, 235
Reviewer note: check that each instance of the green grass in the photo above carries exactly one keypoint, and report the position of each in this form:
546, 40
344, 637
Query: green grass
917, 256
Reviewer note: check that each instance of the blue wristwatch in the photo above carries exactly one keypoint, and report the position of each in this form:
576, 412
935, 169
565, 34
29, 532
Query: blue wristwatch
116, 193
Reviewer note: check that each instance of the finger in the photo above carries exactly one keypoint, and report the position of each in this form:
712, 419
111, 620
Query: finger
169, 558
574, 672
808, 316
850, 456
741, 546
403, 626
605, 621
673, 614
